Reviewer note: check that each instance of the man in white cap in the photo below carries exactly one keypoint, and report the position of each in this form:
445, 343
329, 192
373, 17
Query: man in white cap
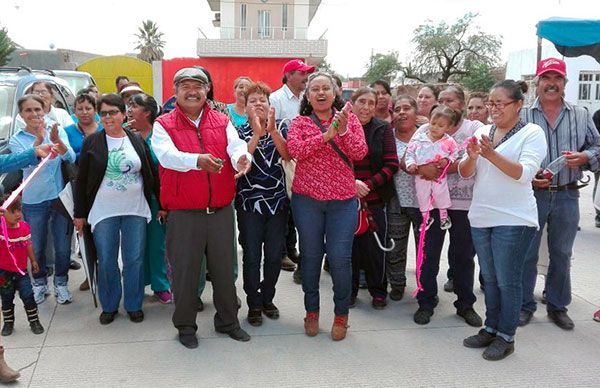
571, 133
199, 152
286, 101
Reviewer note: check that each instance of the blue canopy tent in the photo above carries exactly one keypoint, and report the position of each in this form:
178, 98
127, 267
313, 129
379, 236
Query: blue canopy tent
571, 37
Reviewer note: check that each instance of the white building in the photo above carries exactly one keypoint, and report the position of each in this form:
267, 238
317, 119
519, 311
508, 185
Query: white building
264, 28
583, 75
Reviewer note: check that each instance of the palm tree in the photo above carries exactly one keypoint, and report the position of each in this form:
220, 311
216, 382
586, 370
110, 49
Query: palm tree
150, 42
7, 47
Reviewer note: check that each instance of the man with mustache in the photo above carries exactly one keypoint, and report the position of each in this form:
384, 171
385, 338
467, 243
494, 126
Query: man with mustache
199, 151
570, 131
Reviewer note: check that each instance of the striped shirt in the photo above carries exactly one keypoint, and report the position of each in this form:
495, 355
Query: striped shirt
574, 131
364, 169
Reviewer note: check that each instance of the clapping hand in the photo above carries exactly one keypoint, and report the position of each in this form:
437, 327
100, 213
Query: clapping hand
486, 148
243, 166
254, 121
60, 147
271, 121
473, 150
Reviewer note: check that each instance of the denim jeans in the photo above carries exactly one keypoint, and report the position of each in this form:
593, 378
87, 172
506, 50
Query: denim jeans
40, 217
560, 211
258, 233
13, 282
460, 252
326, 227
501, 251
130, 233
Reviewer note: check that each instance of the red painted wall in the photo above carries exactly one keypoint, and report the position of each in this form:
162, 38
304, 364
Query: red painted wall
224, 71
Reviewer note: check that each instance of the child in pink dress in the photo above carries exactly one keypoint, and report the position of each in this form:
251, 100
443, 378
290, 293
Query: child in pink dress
433, 145
13, 269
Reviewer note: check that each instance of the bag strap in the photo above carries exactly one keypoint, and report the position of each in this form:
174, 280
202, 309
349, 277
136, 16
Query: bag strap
333, 144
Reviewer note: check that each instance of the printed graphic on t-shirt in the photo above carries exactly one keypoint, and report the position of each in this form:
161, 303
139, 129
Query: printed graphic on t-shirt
119, 172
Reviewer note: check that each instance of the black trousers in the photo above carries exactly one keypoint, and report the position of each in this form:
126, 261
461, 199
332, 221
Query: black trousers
460, 252
367, 255
190, 233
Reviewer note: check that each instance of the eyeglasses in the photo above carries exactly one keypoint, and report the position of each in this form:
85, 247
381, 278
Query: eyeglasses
111, 113
498, 105
43, 92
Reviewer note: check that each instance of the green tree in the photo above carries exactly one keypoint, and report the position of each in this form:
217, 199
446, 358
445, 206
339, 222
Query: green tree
451, 51
150, 42
479, 78
7, 47
382, 66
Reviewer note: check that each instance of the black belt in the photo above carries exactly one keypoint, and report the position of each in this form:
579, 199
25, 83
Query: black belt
568, 186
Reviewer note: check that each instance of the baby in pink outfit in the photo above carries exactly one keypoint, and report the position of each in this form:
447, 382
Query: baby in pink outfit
433, 145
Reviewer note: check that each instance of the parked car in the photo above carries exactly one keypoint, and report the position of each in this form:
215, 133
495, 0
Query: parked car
14, 82
77, 80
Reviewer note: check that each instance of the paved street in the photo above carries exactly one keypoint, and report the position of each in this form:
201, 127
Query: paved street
383, 348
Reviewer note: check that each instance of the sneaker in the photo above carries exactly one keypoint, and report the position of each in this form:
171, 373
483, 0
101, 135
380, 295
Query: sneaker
106, 318
255, 317
498, 349
480, 340
164, 296
271, 311
39, 293
422, 316
561, 319
597, 316
429, 223
36, 327
378, 303
470, 316
7, 329
445, 224
397, 293
62, 294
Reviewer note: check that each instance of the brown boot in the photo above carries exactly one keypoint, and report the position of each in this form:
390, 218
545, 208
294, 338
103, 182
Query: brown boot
311, 324
7, 374
339, 328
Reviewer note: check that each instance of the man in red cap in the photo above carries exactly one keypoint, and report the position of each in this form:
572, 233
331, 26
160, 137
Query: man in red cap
571, 133
286, 101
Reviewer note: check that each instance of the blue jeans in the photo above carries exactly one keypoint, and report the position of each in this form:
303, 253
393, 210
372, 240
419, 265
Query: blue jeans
40, 216
130, 231
13, 282
335, 222
260, 232
501, 251
560, 211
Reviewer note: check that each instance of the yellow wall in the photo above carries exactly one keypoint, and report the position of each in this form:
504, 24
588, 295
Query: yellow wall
106, 69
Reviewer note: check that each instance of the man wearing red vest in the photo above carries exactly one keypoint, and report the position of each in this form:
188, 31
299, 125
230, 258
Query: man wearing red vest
199, 151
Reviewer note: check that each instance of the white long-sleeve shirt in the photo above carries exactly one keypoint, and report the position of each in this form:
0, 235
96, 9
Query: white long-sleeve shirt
172, 158
499, 200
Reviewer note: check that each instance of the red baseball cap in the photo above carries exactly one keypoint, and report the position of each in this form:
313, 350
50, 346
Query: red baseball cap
551, 64
297, 65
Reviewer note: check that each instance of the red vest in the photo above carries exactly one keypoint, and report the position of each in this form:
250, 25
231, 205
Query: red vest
197, 189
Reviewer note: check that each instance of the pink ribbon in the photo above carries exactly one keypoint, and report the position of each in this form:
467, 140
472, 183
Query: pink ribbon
421, 246
12, 198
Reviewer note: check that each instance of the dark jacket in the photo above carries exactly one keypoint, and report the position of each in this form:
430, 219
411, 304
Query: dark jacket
92, 167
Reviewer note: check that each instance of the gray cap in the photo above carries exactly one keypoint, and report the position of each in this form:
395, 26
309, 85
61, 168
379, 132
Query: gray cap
192, 73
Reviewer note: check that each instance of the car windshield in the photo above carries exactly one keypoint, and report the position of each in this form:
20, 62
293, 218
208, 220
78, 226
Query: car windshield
7, 99
76, 82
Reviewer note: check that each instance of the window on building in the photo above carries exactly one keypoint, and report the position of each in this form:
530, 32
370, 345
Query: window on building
589, 86
264, 24
243, 16
284, 17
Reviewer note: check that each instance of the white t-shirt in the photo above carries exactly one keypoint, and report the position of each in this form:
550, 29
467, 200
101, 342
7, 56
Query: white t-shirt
499, 200
121, 192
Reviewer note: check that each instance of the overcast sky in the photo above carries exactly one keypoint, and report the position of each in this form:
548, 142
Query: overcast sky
354, 27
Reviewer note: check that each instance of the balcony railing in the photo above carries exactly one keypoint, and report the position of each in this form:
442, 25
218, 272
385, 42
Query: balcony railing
274, 33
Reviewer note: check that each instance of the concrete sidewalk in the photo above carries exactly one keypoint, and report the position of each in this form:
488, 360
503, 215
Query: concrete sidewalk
383, 348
